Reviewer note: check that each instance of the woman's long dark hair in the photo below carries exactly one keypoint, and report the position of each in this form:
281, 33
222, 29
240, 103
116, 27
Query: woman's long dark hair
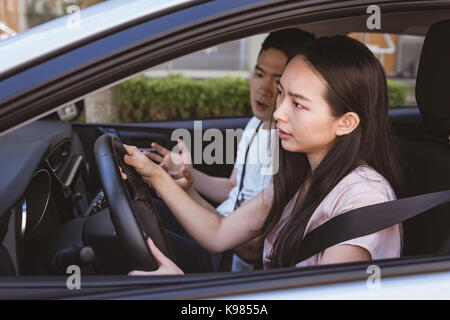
355, 83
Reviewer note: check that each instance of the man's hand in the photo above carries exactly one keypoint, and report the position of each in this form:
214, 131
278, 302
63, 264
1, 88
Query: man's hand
172, 162
166, 266
183, 179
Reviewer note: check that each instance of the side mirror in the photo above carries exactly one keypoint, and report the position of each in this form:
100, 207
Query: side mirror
71, 112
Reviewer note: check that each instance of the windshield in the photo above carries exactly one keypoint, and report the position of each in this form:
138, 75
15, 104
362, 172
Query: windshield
21, 15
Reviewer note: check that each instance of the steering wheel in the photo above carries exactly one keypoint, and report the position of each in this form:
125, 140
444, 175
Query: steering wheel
132, 211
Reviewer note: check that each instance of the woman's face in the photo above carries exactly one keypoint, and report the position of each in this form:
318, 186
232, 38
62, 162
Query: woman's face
304, 120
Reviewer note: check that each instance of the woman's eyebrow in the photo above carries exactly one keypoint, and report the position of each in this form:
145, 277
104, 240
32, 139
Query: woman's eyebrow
299, 96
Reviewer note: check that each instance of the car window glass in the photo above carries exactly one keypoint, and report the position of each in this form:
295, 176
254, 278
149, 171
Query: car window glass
399, 55
211, 83
214, 82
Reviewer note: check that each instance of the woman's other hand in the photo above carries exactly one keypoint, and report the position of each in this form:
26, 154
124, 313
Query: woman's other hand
166, 266
171, 161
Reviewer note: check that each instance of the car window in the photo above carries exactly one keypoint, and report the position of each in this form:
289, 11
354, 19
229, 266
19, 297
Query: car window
399, 55
214, 83
211, 83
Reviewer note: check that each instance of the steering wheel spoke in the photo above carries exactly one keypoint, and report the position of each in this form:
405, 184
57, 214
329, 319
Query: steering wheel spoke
133, 213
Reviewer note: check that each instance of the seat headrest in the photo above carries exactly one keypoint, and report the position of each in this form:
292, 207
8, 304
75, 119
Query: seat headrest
433, 78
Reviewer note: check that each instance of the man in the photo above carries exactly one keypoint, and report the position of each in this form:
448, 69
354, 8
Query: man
253, 165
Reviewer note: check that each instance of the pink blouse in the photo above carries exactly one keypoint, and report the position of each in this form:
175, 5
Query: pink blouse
362, 187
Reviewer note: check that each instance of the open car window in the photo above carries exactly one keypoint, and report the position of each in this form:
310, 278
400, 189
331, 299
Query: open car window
214, 82
399, 54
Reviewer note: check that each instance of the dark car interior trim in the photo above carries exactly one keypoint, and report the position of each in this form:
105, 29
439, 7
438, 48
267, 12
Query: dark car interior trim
204, 286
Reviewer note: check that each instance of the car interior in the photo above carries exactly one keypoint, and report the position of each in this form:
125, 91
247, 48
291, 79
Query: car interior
62, 217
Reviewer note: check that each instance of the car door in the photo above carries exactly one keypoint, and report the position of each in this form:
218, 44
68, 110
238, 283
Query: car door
27, 101
163, 132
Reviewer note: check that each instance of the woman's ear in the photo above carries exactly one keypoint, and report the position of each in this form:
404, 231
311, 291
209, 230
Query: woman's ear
347, 123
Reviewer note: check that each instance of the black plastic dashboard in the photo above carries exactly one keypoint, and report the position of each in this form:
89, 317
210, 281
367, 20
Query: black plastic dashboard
43, 178
43, 185
22, 152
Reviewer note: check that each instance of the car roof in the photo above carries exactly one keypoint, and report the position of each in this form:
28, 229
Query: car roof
65, 31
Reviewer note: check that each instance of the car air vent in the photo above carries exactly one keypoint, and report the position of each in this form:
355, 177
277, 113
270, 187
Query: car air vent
35, 202
58, 157
70, 173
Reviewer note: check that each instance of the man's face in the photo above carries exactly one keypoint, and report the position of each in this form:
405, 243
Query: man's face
263, 84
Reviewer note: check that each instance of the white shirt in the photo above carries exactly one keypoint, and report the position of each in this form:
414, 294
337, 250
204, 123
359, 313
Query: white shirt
258, 173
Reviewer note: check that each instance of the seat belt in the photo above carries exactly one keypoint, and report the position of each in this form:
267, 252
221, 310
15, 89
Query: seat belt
226, 262
241, 184
367, 220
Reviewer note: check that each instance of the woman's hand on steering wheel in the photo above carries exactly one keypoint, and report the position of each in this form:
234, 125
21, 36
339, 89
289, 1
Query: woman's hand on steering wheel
146, 168
166, 266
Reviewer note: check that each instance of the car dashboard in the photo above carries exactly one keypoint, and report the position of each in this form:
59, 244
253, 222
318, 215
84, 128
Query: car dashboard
44, 184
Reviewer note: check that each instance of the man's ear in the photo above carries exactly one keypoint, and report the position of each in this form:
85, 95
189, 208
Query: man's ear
347, 123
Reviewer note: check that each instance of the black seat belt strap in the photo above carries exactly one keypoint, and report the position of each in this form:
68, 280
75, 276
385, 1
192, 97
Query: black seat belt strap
227, 257
241, 184
367, 220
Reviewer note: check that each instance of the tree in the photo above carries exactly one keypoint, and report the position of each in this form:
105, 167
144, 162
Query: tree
101, 106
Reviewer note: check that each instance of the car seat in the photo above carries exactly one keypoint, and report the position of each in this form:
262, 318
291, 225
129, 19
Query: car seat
425, 150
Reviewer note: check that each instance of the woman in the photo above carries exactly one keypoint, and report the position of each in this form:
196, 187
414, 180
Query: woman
336, 155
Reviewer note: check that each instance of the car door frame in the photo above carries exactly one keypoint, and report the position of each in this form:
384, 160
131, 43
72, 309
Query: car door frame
99, 70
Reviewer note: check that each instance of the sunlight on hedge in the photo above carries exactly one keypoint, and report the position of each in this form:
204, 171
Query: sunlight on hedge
178, 97
397, 93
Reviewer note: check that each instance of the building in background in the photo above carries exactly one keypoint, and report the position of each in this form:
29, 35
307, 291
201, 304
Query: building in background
234, 58
399, 55
12, 18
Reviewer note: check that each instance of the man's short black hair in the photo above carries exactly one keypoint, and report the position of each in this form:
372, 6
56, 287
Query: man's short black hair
287, 40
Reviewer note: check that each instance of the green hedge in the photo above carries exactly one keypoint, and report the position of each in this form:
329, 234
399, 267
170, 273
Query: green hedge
178, 97
397, 93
